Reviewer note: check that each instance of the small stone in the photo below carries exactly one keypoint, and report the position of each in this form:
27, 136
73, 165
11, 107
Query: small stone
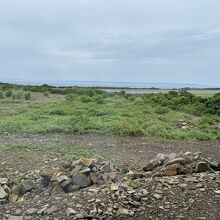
157, 196
4, 181
125, 212
70, 212
114, 187
217, 191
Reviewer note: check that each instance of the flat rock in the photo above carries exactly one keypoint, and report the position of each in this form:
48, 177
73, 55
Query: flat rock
181, 161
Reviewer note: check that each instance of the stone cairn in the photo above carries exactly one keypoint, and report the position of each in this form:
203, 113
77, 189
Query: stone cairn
175, 164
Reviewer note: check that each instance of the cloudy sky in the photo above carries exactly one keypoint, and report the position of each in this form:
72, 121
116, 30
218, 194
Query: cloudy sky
164, 41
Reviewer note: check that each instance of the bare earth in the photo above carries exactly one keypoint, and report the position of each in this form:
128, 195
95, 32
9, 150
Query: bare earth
123, 151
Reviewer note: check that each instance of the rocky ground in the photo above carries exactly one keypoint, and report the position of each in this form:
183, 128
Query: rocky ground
128, 179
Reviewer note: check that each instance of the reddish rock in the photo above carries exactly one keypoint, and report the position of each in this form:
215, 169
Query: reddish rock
171, 170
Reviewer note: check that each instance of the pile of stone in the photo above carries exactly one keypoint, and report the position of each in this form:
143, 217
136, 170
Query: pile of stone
182, 163
94, 189
67, 178
183, 125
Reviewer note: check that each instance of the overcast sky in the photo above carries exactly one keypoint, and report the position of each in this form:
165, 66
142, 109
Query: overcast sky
111, 40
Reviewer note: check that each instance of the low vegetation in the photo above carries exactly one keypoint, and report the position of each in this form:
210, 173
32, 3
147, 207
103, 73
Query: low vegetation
41, 109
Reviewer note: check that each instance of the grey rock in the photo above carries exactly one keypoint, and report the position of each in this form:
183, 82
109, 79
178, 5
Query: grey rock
106, 168
157, 196
181, 161
81, 180
62, 178
71, 188
202, 167
66, 183
27, 185
151, 165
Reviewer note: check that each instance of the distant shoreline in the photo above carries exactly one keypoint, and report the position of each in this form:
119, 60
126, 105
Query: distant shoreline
113, 85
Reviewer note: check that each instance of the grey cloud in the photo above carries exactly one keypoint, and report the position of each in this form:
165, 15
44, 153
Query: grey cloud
147, 40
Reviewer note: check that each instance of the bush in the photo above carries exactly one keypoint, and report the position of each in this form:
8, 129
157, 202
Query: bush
19, 95
58, 112
9, 94
14, 96
27, 96
85, 99
162, 110
46, 94
1, 95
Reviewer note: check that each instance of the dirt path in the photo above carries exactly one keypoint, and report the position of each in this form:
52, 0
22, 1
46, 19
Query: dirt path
34, 151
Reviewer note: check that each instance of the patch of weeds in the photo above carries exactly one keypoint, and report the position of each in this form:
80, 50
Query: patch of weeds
4, 168
18, 147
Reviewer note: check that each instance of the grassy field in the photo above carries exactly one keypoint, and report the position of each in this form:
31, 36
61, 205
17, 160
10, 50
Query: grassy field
119, 114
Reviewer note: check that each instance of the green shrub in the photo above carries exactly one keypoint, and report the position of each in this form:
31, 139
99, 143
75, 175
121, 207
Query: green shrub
1, 95
161, 110
46, 94
19, 95
85, 99
27, 96
9, 94
58, 112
